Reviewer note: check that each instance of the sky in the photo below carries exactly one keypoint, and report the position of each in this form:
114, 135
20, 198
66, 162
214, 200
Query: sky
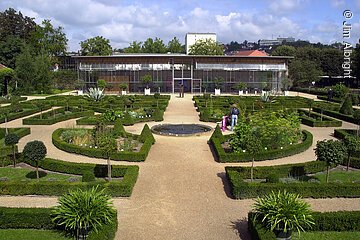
124, 21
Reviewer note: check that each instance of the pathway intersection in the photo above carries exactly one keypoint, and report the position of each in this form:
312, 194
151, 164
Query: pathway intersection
181, 192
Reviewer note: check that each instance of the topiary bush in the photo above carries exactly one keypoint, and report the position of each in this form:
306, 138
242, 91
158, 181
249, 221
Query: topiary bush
88, 176
158, 115
218, 134
346, 108
35, 151
128, 120
119, 129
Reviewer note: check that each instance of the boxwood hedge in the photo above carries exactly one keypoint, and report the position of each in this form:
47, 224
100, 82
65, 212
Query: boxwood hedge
335, 114
146, 137
223, 156
40, 218
313, 121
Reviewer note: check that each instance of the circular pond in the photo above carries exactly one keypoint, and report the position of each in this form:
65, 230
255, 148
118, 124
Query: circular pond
180, 130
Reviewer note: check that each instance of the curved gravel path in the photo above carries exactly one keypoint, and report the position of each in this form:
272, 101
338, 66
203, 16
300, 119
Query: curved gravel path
181, 192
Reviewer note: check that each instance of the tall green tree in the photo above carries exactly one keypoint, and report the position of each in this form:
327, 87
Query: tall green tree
52, 40
174, 46
153, 46
284, 50
10, 49
303, 72
96, 46
352, 146
159, 46
25, 71
43, 75
331, 61
331, 152
206, 47
134, 47
356, 62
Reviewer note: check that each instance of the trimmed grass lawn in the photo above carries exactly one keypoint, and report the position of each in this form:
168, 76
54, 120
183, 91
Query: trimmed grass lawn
326, 236
31, 234
339, 175
27, 174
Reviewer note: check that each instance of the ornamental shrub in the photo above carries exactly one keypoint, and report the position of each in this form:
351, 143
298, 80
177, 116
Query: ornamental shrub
128, 119
119, 129
88, 176
273, 129
158, 115
340, 91
346, 108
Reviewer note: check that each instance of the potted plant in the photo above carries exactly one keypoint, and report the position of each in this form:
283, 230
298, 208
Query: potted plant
283, 212
146, 79
123, 88
79, 85
265, 88
218, 81
241, 86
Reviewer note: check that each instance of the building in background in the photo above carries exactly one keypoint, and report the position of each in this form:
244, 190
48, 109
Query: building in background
191, 38
195, 73
266, 43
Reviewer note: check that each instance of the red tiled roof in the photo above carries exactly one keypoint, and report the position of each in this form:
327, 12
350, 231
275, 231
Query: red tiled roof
256, 53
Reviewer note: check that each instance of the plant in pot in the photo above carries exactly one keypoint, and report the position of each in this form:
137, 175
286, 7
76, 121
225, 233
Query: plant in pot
123, 87
283, 212
146, 79
218, 81
241, 86
79, 85
265, 87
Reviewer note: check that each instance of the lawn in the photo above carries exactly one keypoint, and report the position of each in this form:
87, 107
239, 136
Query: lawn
31, 234
27, 174
339, 175
326, 235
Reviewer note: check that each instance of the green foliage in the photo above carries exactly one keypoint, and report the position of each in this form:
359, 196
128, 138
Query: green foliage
96, 46
284, 50
134, 47
101, 83
35, 150
119, 129
146, 134
128, 120
88, 176
123, 86
340, 91
206, 47
153, 46
346, 108
218, 134
43, 76
25, 70
336, 114
174, 46
329, 151
273, 129
303, 72
11, 139
317, 120
158, 115
352, 145
96, 94
35, 218
241, 86
283, 210
84, 210
272, 178
146, 79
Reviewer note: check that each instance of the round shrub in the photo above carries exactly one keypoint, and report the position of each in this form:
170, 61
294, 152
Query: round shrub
88, 177
346, 108
272, 178
158, 115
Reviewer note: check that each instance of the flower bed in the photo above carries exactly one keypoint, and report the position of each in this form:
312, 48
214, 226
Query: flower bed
146, 138
318, 120
57, 115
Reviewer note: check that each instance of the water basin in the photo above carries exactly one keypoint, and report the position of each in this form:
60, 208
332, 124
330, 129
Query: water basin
180, 130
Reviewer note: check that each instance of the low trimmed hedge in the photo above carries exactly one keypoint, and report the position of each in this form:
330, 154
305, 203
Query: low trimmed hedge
245, 190
313, 122
335, 114
148, 140
40, 218
290, 150
24, 113
327, 221
48, 119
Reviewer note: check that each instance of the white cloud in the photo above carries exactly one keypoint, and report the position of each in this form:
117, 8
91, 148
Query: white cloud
285, 6
337, 3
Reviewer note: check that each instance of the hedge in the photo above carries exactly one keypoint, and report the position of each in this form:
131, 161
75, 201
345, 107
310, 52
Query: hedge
313, 122
115, 188
148, 141
335, 114
48, 119
24, 113
290, 150
327, 221
341, 133
40, 218
245, 190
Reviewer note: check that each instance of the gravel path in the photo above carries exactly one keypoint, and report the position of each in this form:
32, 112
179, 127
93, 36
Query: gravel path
181, 192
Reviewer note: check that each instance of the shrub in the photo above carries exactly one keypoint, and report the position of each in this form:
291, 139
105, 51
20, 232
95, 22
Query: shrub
346, 107
35, 151
119, 129
11, 140
340, 91
218, 134
128, 119
80, 211
88, 176
158, 115
272, 178
36, 218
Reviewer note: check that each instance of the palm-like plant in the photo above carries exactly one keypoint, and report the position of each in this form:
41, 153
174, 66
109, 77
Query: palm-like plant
80, 211
283, 211
96, 94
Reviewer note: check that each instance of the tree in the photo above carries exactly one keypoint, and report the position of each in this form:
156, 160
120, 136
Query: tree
331, 61
356, 62
83, 210
331, 152
174, 46
52, 40
11, 140
146, 79
284, 50
206, 47
252, 146
43, 76
35, 151
25, 71
134, 47
346, 107
96, 46
101, 83
10, 49
6, 74
357, 118
304, 72
352, 145
108, 144
153, 46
